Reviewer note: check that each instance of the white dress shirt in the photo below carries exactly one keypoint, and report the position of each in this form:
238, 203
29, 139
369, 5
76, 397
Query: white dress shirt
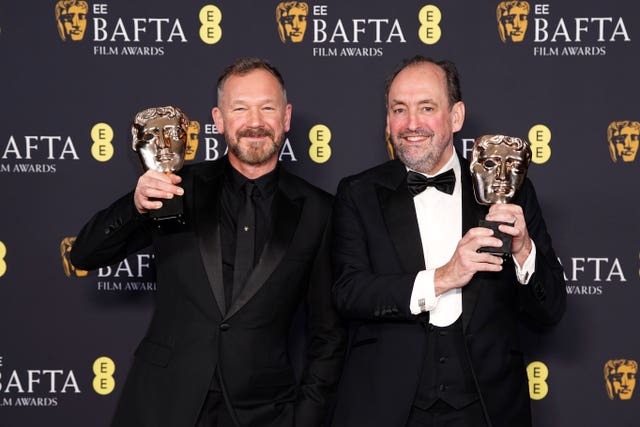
440, 223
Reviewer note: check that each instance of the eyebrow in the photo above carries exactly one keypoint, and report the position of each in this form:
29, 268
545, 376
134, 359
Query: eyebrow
423, 101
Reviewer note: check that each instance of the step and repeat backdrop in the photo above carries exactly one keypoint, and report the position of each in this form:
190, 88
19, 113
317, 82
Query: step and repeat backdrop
74, 73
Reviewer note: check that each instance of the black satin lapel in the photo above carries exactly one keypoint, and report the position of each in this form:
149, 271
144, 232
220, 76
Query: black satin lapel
472, 212
208, 231
286, 215
399, 214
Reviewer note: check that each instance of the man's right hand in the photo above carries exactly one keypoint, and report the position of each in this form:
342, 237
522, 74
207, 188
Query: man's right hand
155, 185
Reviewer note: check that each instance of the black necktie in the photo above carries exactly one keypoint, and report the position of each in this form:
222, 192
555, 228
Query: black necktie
444, 182
245, 241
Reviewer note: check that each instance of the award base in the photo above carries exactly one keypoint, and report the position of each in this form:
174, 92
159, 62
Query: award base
503, 251
170, 212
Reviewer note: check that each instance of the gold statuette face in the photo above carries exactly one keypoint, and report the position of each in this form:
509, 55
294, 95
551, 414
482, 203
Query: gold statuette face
499, 167
159, 136
291, 17
620, 378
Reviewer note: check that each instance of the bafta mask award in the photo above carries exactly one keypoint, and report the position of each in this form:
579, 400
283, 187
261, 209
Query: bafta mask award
159, 136
498, 168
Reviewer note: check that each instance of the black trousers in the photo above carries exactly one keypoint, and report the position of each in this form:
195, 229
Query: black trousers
440, 414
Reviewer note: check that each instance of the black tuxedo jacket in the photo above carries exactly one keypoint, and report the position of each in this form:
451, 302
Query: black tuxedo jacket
377, 254
191, 333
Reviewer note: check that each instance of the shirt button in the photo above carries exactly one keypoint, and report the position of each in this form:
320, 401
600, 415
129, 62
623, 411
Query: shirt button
224, 326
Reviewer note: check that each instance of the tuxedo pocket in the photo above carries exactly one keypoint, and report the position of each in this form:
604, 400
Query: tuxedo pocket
154, 353
364, 341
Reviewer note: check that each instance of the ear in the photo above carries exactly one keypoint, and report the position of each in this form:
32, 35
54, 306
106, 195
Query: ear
287, 117
217, 119
457, 116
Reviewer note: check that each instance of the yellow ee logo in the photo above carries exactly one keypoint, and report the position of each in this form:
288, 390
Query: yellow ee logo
210, 30
103, 382
320, 135
539, 137
537, 372
3, 263
430, 17
102, 135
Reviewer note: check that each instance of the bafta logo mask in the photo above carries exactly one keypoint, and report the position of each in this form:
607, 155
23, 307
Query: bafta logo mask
620, 378
512, 19
71, 16
291, 17
159, 136
624, 137
192, 140
65, 250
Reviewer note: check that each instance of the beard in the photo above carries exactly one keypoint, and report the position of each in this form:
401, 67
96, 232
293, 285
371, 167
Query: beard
423, 157
255, 152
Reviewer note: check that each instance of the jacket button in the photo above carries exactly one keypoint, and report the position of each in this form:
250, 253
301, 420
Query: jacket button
224, 326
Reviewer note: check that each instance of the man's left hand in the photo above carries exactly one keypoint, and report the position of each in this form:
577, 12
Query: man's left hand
512, 214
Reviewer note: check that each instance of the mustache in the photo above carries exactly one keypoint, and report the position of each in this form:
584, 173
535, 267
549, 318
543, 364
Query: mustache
416, 132
255, 132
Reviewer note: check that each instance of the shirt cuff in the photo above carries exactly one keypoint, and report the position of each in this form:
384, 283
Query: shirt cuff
525, 272
423, 296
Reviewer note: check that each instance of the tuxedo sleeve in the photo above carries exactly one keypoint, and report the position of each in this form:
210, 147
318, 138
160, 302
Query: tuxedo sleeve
543, 300
111, 235
363, 288
327, 341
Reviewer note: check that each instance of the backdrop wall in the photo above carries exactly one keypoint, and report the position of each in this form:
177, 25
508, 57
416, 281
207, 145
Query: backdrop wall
565, 77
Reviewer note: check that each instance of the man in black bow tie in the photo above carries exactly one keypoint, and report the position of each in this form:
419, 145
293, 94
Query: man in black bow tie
433, 322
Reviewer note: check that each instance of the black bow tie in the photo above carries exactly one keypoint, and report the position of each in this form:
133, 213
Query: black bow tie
444, 182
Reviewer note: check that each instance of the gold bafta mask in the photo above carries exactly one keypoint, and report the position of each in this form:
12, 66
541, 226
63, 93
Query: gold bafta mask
390, 151
620, 378
499, 166
513, 19
291, 17
192, 140
159, 136
624, 137
65, 250
71, 16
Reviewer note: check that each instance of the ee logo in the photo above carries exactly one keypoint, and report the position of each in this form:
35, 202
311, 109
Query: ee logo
210, 30
320, 135
3, 263
539, 137
102, 135
103, 382
429, 31
537, 372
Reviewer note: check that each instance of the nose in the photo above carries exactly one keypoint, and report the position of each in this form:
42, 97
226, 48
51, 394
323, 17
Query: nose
412, 118
517, 22
501, 172
163, 140
254, 118
624, 381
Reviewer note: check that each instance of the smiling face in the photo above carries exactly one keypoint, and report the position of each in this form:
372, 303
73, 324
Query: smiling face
498, 167
420, 119
254, 116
